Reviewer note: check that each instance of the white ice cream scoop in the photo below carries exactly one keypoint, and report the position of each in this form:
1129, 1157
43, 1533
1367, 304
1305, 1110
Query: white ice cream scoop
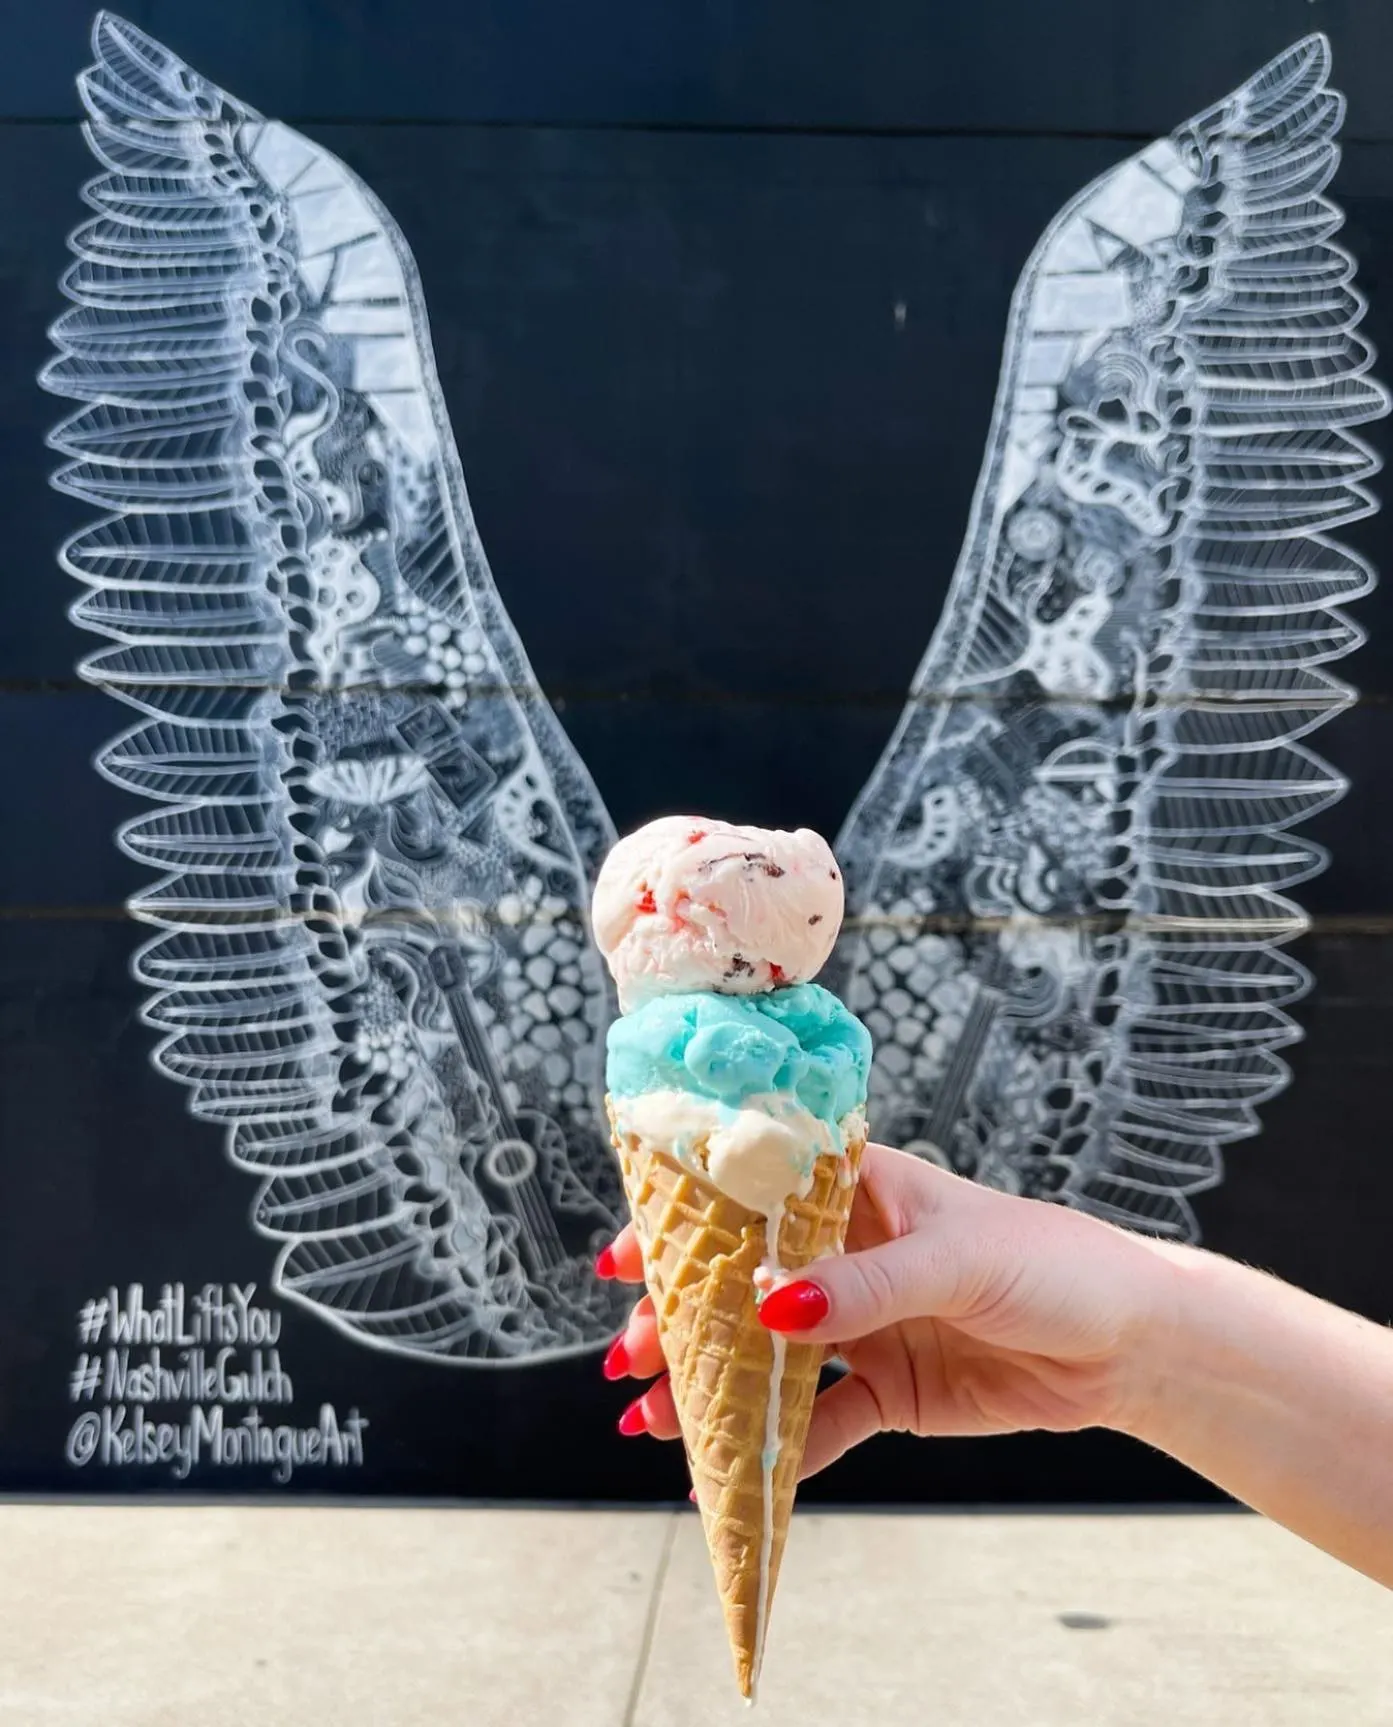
687, 903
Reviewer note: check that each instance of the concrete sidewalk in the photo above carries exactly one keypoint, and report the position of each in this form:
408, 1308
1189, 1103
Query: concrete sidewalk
231, 1616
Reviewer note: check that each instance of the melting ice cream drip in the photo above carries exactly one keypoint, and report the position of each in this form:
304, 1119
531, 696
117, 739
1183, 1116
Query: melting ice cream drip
769, 1456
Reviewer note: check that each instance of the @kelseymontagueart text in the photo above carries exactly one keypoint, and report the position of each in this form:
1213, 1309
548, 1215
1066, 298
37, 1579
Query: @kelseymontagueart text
179, 1382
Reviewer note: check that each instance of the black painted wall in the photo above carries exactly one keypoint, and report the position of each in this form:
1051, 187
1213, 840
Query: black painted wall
718, 295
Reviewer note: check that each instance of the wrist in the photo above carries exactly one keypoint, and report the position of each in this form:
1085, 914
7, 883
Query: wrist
1161, 1345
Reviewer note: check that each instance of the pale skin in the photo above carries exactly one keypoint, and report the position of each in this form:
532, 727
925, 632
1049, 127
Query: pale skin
960, 1311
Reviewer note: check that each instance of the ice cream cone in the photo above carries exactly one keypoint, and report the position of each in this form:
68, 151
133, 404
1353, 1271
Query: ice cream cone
736, 1084
741, 1393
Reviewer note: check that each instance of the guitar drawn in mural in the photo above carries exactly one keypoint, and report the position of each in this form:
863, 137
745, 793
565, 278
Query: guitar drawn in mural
1066, 877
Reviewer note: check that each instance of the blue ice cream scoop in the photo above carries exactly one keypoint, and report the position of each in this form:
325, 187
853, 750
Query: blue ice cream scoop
800, 1042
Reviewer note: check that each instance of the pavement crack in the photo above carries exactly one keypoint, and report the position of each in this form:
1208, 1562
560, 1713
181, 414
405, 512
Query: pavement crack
650, 1623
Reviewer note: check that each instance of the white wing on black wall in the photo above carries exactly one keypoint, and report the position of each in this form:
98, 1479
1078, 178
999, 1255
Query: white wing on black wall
373, 968
1068, 872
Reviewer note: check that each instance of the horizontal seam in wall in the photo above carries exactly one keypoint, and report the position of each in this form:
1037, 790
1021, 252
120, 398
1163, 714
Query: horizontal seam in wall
226, 918
561, 695
708, 128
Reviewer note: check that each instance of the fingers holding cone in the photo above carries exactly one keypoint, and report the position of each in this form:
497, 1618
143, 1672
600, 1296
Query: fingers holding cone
636, 1353
844, 1414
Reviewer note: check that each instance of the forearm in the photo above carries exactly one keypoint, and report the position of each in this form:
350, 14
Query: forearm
1281, 1399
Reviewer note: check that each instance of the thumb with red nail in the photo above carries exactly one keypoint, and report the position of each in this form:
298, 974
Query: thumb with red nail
795, 1306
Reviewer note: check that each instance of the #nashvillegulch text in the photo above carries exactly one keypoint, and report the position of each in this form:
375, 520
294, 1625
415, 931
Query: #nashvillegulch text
195, 1378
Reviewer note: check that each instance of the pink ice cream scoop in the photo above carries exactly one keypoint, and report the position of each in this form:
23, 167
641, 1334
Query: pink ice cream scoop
686, 903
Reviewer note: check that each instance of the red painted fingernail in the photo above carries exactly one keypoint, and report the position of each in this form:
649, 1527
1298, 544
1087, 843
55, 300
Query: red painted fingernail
617, 1360
632, 1421
604, 1263
794, 1307
692, 1496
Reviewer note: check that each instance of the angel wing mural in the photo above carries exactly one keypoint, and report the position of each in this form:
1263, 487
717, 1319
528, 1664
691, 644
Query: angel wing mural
372, 966
1070, 865
374, 841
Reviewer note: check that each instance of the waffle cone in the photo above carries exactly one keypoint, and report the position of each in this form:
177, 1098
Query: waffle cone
701, 1250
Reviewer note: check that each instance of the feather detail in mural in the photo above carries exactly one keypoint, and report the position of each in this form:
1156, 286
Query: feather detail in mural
1068, 875
373, 841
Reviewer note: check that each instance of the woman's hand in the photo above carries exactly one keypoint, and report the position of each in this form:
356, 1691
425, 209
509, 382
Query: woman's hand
957, 1310
962, 1311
